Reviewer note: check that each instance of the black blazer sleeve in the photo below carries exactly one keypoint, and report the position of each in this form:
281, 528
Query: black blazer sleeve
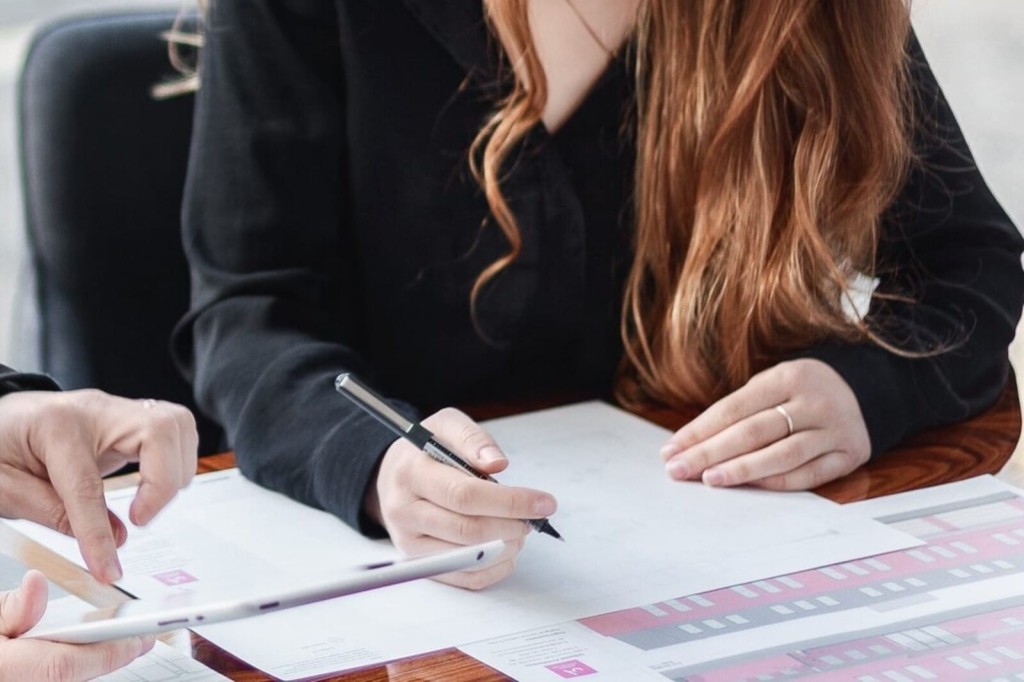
950, 249
265, 233
12, 381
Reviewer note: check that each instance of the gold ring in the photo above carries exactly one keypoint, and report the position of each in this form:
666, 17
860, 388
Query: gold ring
789, 420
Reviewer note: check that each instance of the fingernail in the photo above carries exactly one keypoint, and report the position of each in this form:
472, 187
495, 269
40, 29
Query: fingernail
146, 643
141, 519
669, 449
677, 469
544, 506
491, 454
714, 477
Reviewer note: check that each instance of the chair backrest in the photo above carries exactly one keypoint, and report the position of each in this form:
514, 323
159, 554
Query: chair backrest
103, 173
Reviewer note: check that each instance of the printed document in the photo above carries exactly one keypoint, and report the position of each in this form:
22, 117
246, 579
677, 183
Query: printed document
951, 609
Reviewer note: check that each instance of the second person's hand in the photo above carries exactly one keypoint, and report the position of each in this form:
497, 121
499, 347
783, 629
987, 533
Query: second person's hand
429, 507
55, 447
41, 661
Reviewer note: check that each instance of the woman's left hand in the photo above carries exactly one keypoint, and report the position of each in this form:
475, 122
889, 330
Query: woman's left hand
794, 426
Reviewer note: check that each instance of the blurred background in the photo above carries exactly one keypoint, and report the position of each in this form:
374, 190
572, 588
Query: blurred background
18, 20
975, 48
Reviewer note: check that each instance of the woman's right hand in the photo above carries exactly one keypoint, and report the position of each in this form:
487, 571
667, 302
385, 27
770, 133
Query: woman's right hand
429, 507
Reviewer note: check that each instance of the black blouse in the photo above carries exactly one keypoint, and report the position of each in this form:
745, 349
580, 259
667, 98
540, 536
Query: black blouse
12, 381
332, 225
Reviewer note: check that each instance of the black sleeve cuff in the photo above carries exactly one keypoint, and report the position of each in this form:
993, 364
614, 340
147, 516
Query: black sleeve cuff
347, 464
879, 383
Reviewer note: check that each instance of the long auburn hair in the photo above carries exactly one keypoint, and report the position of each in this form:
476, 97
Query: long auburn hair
770, 137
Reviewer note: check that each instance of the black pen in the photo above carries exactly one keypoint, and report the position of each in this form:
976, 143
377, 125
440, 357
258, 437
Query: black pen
419, 436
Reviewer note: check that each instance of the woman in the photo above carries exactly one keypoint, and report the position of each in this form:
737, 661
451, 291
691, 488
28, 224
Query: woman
686, 202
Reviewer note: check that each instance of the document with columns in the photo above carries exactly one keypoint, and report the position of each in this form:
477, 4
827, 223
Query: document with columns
951, 609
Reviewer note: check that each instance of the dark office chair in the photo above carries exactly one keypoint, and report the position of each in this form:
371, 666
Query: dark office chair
103, 171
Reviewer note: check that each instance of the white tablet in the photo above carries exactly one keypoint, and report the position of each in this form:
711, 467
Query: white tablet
191, 609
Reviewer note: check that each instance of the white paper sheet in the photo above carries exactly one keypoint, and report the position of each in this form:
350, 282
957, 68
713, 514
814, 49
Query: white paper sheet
163, 664
632, 537
828, 622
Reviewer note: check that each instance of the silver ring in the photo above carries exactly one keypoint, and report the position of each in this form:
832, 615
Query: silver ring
149, 403
789, 420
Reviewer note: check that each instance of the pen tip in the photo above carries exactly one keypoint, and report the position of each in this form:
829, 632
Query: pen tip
545, 527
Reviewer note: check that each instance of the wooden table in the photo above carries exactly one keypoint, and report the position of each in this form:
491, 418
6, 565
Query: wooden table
981, 445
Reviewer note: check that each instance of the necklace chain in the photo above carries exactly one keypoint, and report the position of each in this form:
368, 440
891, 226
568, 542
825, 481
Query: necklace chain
590, 29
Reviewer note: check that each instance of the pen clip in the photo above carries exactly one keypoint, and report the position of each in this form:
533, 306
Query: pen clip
373, 404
